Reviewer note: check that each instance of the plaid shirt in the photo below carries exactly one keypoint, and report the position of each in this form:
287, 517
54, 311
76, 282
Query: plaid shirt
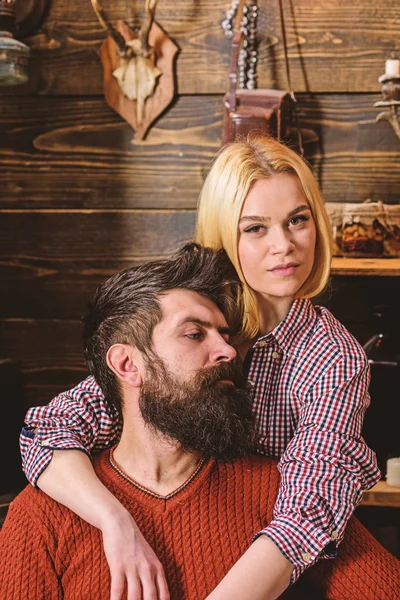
310, 379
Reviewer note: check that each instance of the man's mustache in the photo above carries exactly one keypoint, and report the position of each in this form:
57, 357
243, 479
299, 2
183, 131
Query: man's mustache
221, 372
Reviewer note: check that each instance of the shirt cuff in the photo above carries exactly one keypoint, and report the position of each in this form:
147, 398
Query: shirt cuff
39, 452
301, 543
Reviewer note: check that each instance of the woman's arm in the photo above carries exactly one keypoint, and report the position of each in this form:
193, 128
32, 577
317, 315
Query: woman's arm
325, 466
71, 480
78, 419
262, 573
56, 444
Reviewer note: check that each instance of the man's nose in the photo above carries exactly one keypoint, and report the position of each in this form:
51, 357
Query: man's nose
222, 352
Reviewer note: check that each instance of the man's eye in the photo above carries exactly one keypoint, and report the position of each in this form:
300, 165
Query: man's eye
194, 336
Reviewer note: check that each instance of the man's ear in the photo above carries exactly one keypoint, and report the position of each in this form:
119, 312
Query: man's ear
124, 361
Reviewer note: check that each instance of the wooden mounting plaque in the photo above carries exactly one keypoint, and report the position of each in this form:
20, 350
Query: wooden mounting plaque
165, 51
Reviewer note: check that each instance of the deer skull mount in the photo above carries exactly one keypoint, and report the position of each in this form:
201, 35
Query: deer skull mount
138, 69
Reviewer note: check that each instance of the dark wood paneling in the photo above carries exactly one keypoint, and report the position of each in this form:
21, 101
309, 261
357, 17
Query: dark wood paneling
75, 153
49, 353
51, 262
78, 153
354, 158
335, 46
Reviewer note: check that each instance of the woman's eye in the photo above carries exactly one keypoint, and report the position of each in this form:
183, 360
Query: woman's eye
253, 229
298, 219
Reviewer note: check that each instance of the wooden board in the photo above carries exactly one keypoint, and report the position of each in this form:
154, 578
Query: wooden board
76, 153
69, 153
381, 494
51, 261
389, 267
336, 46
50, 354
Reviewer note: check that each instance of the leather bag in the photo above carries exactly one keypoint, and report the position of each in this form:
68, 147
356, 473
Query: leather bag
261, 111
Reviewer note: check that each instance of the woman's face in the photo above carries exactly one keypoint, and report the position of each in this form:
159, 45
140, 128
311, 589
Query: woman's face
277, 236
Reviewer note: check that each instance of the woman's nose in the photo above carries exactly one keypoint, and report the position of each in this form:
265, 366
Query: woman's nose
280, 242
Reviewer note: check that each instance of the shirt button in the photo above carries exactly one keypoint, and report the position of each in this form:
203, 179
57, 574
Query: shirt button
276, 355
334, 535
45, 443
262, 344
306, 556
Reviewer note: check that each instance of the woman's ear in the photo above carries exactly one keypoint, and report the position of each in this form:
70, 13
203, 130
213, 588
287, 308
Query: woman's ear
124, 361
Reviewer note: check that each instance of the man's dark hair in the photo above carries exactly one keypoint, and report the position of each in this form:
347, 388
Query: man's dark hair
125, 307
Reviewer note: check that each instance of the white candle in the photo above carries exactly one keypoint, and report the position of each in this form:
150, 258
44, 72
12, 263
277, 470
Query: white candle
392, 67
393, 472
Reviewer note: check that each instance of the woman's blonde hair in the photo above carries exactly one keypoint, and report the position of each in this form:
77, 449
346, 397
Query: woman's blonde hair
235, 170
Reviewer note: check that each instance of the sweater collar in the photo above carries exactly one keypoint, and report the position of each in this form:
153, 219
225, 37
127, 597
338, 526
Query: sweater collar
106, 470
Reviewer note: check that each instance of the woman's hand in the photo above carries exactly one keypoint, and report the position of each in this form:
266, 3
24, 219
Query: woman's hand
132, 561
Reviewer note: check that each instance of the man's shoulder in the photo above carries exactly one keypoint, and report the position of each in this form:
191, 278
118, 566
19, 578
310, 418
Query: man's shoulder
251, 467
38, 508
253, 481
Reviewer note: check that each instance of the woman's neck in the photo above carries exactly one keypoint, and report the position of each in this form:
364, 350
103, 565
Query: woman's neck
272, 311
271, 314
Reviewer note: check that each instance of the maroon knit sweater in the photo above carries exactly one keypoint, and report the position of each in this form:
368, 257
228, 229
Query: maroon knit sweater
198, 533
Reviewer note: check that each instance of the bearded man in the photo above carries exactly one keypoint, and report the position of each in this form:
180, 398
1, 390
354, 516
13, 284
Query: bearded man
157, 340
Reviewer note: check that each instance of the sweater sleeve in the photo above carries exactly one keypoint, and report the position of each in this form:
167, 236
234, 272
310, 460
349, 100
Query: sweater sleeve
79, 419
26, 562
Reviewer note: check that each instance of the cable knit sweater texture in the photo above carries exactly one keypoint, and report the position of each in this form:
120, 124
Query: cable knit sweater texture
198, 533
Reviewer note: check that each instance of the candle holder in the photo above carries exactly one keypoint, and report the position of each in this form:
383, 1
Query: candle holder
391, 96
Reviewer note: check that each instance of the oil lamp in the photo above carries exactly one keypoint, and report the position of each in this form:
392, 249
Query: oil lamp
17, 19
13, 53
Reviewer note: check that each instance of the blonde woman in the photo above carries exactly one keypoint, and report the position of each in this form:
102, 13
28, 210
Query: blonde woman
310, 377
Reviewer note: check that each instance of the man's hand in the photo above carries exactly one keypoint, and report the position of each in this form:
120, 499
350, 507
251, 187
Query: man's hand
132, 562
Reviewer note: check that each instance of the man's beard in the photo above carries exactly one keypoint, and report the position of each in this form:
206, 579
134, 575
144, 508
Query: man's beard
203, 415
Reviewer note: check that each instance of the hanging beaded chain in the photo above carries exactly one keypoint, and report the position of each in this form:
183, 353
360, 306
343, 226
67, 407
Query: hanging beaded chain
248, 54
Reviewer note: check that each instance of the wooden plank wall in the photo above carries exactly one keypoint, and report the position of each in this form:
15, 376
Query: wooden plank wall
81, 198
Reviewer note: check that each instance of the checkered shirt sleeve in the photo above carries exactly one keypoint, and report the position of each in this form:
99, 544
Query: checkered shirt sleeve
78, 419
326, 464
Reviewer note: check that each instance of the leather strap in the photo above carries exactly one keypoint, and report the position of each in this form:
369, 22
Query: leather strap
237, 43
289, 84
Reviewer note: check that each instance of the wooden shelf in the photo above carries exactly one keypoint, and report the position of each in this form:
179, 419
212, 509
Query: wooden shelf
381, 494
366, 266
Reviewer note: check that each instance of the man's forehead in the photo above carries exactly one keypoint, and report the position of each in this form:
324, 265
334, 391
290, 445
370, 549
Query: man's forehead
178, 305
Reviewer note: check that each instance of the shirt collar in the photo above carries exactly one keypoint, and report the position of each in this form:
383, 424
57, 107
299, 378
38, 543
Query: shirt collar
294, 328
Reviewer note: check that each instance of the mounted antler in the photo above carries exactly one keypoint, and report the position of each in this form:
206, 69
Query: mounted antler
151, 6
136, 73
106, 25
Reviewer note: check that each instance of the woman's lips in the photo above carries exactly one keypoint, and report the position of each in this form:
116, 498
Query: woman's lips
284, 270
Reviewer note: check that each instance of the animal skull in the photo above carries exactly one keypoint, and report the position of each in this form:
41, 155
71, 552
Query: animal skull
136, 74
